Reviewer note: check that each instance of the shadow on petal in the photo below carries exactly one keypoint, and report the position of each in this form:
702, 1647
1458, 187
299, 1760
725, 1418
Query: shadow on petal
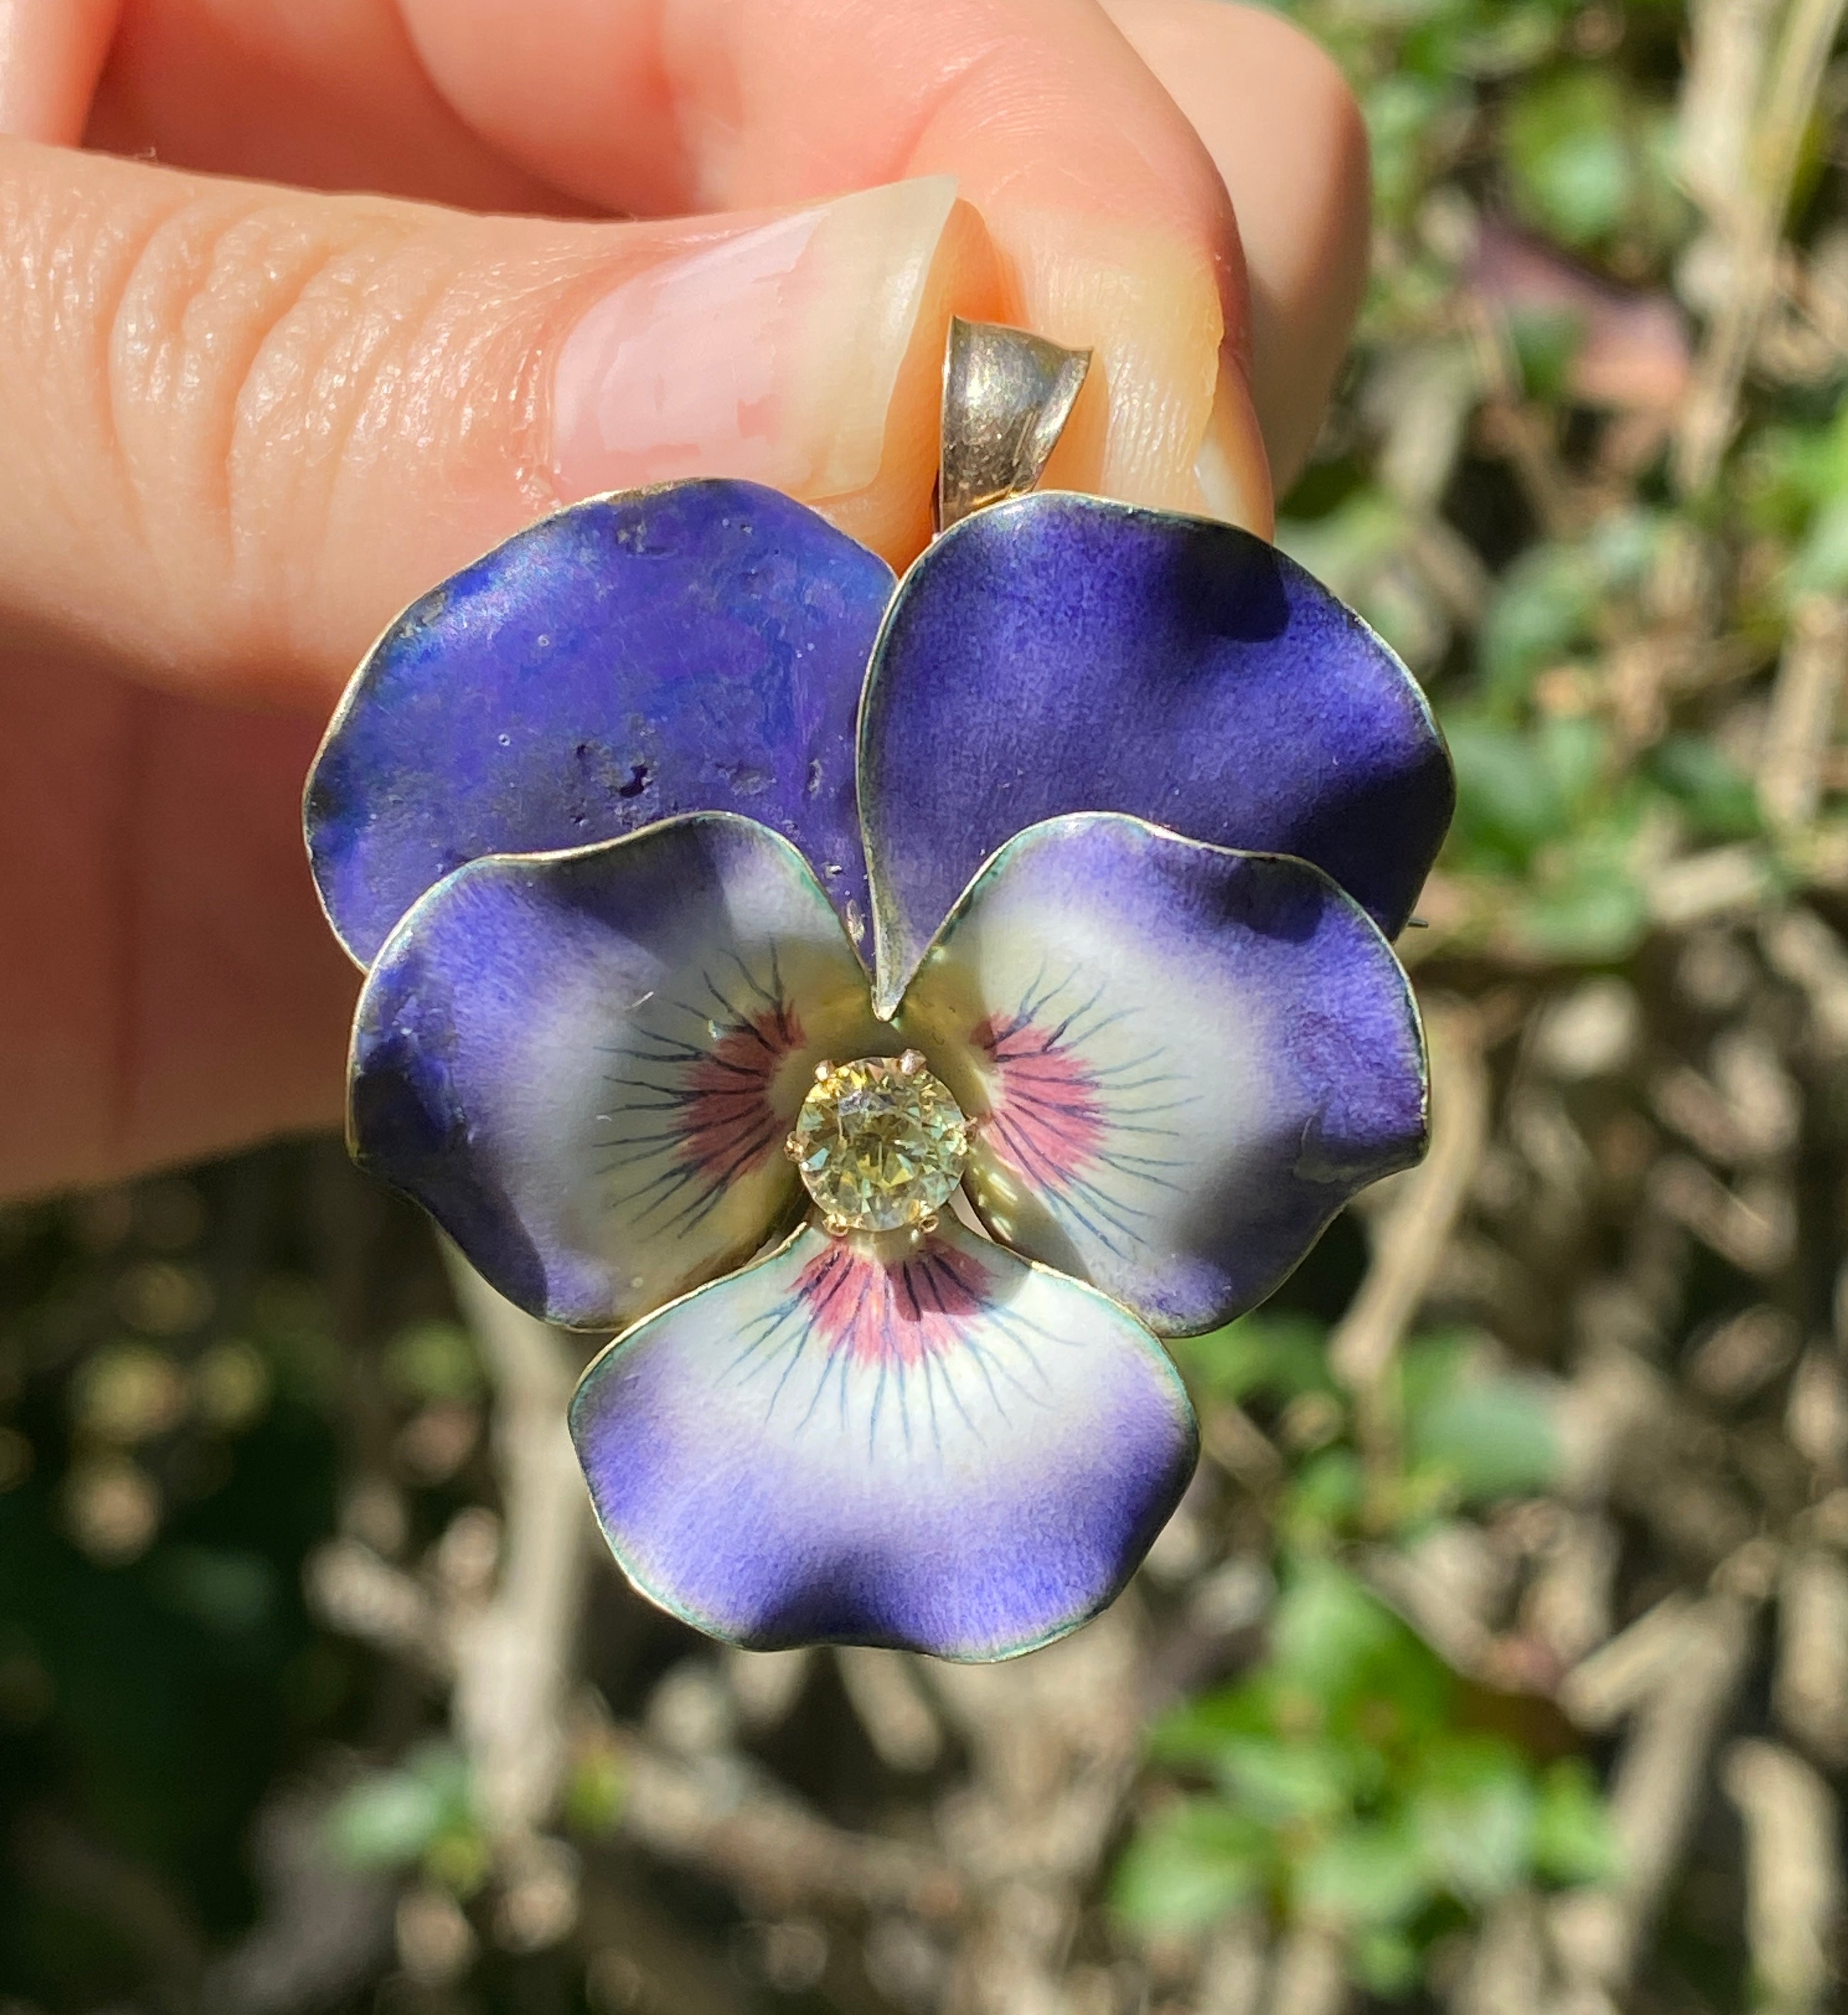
1063, 654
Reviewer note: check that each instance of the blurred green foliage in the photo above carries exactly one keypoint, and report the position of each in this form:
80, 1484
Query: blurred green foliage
1795, 493
1347, 1790
157, 1668
1467, 1433
1499, 494
421, 1813
181, 1370
1348, 1778
1530, 222
1588, 160
434, 1360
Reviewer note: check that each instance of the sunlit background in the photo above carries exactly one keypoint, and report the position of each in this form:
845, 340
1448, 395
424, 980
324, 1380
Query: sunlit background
1498, 1661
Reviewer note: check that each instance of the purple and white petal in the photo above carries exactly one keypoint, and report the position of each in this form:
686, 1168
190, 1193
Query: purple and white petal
696, 648
584, 1064
936, 1446
1059, 653
1186, 1059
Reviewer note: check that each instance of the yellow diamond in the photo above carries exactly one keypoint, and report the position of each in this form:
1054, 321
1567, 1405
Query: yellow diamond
879, 1142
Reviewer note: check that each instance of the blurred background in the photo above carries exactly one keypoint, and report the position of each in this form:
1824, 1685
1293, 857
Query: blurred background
1497, 1661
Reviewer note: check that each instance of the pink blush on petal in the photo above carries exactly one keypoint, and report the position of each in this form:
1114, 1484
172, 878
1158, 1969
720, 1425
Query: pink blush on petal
876, 1311
1048, 1118
730, 1123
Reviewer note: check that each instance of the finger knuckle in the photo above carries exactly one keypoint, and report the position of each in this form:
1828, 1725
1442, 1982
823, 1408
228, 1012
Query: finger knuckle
238, 350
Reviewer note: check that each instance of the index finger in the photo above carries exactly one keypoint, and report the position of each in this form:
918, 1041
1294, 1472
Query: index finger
1114, 224
1111, 218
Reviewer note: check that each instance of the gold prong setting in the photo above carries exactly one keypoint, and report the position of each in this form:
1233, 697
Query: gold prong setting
880, 1145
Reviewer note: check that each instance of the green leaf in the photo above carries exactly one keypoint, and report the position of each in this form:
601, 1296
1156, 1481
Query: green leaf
1572, 1841
1324, 1499
1789, 474
594, 1790
1492, 1436
1385, 1963
1518, 790
1431, 1367
1473, 1816
1545, 342
1402, 112
231, 1590
1543, 610
1716, 796
1589, 906
394, 1818
1820, 566
1569, 156
1550, 803
1497, 41
1284, 1782
1196, 1859
1198, 1731
1574, 753
387, 1822
1279, 1355
1507, 803
433, 1361
1346, 546
1329, 1634
1366, 1876
1625, 545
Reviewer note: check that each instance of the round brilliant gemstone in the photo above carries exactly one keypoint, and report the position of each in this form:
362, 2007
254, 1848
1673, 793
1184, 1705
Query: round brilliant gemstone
879, 1142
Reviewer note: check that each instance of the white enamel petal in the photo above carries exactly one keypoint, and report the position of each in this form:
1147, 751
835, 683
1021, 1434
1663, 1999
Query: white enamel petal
938, 1446
585, 1065
1183, 1059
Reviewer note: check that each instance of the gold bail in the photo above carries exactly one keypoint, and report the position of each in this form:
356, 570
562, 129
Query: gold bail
1006, 397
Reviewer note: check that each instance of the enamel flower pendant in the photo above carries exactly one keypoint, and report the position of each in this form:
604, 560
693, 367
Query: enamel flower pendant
892, 1007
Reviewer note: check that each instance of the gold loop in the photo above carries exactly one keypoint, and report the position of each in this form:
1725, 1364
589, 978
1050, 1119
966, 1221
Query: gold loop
1006, 397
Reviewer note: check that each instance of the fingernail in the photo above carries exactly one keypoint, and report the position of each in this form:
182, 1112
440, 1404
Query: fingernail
1231, 468
772, 355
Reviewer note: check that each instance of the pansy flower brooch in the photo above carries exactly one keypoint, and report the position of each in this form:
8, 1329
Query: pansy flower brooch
891, 1007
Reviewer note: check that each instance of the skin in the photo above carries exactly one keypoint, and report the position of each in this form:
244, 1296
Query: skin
243, 421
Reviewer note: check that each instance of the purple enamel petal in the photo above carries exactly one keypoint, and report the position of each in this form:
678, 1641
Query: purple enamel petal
1064, 654
696, 648
1187, 1059
584, 1066
938, 1447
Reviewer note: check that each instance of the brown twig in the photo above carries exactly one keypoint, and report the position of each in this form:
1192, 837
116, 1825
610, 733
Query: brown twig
892, 1707
1750, 217
513, 1655
1719, 93
1810, 1688
1409, 1243
1055, 1743
1309, 1976
1506, 1974
1805, 699
1802, 948
1654, 1798
718, 1814
1231, 1974
1793, 1875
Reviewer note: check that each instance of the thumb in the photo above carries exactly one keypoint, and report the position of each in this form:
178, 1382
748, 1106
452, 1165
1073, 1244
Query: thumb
240, 426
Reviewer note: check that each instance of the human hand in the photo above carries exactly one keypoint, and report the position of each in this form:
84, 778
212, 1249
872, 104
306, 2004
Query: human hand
241, 425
